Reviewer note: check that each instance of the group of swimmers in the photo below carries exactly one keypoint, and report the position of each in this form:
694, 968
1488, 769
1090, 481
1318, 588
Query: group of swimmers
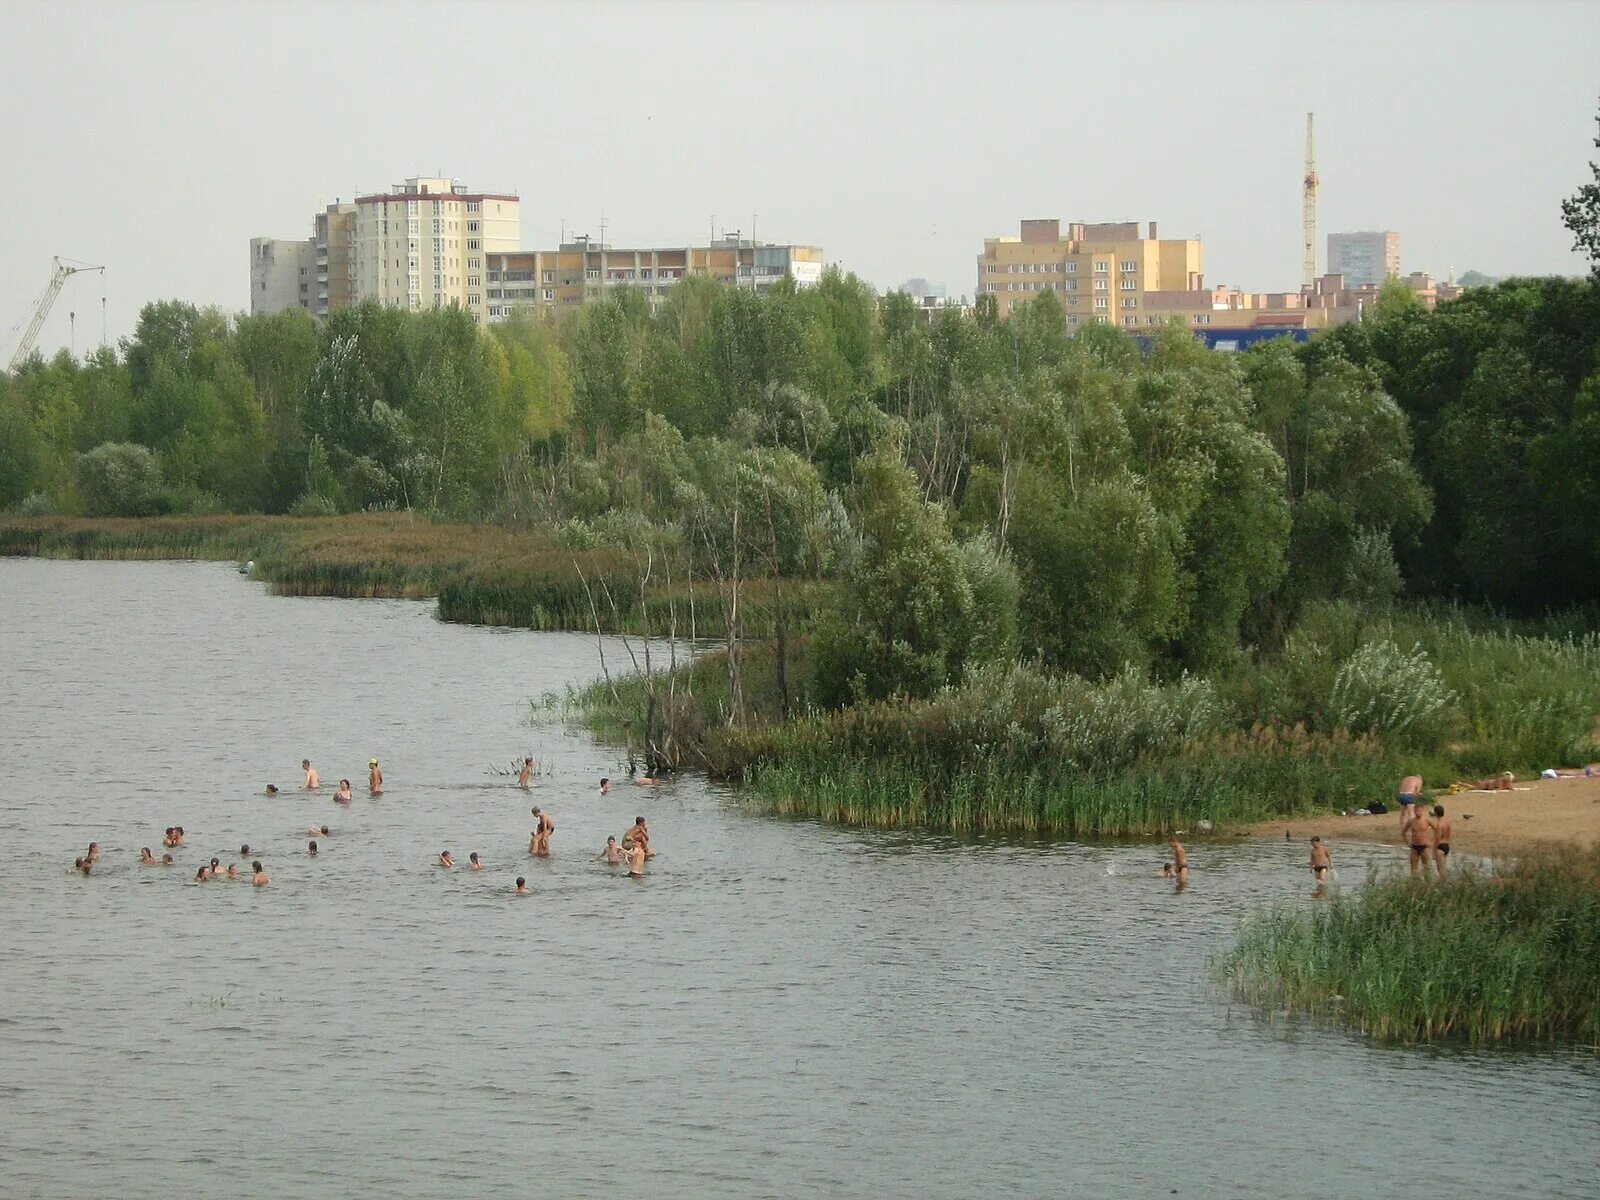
342, 794
632, 853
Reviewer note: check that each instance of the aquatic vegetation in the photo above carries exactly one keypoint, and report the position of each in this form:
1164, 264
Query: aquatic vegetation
1506, 955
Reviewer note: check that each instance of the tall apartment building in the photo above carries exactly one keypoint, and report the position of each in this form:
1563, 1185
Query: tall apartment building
1100, 273
423, 243
547, 281
1364, 259
333, 246
283, 275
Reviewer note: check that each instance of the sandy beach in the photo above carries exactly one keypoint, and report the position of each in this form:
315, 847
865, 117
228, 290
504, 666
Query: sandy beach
1537, 810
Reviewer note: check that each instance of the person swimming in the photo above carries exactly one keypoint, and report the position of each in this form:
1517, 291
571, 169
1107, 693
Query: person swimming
311, 849
167, 860
258, 876
1166, 871
473, 863
522, 886
146, 859
216, 867
320, 831
93, 853
245, 851
203, 875
636, 857
342, 795
611, 854
605, 787
313, 780
233, 870
82, 865
177, 835
445, 860
272, 789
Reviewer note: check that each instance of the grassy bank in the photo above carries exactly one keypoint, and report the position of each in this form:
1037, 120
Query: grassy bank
1511, 955
481, 574
1027, 749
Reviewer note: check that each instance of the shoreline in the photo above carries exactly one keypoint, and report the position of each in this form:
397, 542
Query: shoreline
1536, 812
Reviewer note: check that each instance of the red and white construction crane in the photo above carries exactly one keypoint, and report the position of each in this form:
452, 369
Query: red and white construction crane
62, 269
1308, 214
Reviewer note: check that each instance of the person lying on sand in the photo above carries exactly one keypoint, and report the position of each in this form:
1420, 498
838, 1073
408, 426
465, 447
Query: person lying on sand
1495, 783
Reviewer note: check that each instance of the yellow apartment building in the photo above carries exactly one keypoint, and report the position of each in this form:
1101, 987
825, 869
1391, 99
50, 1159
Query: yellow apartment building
423, 243
1100, 273
547, 281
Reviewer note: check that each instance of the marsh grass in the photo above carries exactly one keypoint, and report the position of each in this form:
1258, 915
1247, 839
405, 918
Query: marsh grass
1504, 955
481, 574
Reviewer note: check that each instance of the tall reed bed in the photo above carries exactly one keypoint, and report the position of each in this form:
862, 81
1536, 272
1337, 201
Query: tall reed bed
1509, 955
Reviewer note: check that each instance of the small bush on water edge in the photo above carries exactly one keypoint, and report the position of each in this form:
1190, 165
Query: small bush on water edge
1510, 955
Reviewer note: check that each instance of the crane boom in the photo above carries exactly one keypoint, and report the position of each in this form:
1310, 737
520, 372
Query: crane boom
60, 272
1308, 213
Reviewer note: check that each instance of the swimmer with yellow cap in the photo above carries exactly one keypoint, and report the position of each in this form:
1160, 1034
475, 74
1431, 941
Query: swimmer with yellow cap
374, 777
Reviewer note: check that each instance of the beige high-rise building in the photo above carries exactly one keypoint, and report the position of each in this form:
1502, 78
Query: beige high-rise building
283, 275
1364, 259
334, 247
548, 281
423, 243
1100, 273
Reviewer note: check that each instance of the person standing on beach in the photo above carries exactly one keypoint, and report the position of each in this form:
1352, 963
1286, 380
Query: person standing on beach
1418, 836
1321, 859
1441, 840
527, 774
374, 778
1410, 794
313, 780
1180, 862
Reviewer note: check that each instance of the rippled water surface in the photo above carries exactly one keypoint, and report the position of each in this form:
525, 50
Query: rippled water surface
781, 1009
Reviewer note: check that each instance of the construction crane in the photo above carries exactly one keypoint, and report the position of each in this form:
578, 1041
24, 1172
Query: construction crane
1308, 214
62, 269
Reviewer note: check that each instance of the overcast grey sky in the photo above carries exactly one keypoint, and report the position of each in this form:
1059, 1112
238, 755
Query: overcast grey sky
159, 138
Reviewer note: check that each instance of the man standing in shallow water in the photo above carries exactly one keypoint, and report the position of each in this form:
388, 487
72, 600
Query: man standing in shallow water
312, 779
374, 777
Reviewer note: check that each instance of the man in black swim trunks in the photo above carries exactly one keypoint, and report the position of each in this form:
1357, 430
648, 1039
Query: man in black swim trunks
1418, 835
1441, 839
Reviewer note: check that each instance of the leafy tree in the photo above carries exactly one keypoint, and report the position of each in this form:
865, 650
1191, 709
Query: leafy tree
120, 479
1580, 213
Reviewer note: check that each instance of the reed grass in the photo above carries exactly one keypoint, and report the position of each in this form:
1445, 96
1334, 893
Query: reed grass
481, 574
1504, 955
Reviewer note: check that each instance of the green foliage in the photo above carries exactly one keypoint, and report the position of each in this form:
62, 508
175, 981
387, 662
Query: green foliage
1580, 213
1396, 694
120, 479
1508, 955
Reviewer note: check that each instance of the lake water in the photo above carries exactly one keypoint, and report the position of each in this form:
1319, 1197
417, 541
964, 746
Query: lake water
781, 1009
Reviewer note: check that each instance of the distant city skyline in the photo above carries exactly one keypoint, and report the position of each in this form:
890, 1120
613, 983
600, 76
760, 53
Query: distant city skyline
161, 156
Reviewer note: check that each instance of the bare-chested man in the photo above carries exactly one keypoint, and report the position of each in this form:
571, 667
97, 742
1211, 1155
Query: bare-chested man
258, 875
1417, 834
640, 833
636, 857
313, 780
522, 886
526, 775
1321, 859
1410, 793
445, 859
539, 847
605, 787
611, 854
1441, 840
374, 778
1180, 862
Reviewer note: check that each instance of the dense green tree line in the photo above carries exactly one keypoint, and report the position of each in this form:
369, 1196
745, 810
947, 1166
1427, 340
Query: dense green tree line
979, 487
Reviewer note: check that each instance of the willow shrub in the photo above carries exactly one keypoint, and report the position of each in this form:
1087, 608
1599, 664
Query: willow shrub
1508, 955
